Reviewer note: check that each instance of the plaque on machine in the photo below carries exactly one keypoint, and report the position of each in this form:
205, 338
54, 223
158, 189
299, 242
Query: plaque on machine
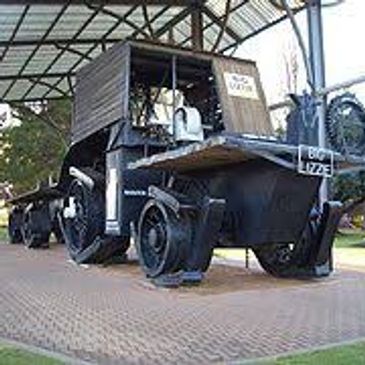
315, 161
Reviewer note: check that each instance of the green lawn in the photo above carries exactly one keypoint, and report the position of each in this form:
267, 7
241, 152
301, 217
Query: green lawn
350, 238
342, 355
14, 356
3, 234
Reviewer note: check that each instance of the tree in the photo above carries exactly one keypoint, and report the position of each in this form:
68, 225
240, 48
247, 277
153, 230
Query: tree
34, 150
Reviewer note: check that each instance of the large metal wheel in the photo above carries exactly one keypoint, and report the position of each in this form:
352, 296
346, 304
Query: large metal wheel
291, 260
163, 238
35, 232
276, 259
345, 124
14, 226
83, 223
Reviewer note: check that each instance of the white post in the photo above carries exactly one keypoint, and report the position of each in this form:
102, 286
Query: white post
316, 55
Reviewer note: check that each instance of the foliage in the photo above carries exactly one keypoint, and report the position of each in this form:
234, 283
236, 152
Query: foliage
349, 238
3, 234
349, 186
34, 150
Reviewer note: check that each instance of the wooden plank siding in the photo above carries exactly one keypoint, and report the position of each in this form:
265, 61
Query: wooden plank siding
101, 96
248, 115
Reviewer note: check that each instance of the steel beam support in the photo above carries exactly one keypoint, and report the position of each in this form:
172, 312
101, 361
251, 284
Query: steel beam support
197, 28
99, 2
37, 75
58, 41
316, 57
103, 38
11, 40
218, 21
30, 57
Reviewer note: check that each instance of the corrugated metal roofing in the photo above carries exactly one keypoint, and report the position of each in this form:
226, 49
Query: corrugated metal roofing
43, 43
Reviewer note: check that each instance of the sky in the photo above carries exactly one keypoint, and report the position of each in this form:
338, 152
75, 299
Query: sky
344, 27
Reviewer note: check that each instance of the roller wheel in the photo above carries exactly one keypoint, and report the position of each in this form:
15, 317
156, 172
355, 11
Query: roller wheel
34, 235
84, 229
162, 239
14, 226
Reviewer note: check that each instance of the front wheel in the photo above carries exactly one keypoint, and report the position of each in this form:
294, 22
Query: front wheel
162, 239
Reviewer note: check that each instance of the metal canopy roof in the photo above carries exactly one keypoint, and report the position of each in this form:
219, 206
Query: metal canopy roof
43, 43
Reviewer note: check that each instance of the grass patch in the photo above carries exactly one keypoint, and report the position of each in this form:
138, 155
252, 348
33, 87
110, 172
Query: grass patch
15, 356
350, 238
3, 234
341, 355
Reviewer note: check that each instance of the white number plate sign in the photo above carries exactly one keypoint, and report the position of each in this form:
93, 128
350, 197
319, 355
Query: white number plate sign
241, 86
315, 161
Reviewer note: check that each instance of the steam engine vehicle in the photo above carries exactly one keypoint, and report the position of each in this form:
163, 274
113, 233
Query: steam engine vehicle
174, 150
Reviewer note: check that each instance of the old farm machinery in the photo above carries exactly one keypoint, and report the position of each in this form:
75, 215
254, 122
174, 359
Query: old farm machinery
178, 153
174, 149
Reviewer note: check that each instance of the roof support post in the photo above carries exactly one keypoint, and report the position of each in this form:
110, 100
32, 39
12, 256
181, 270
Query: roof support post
317, 60
197, 27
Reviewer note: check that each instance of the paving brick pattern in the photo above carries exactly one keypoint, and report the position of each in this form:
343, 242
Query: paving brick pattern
113, 316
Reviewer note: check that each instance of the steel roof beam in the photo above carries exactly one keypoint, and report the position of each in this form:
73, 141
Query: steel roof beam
156, 16
45, 35
197, 28
59, 55
219, 21
104, 37
110, 2
175, 20
34, 76
48, 85
118, 17
69, 49
15, 31
58, 41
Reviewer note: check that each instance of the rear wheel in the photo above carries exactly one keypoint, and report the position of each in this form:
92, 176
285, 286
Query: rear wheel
291, 260
84, 219
14, 226
162, 239
35, 232
276, 259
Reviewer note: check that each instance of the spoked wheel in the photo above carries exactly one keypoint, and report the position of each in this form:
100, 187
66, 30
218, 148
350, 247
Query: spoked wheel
83, 221
33, 235
79, 232
162, 239
345, 124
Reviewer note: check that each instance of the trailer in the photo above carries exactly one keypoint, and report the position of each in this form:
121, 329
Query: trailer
174, 150
34, 216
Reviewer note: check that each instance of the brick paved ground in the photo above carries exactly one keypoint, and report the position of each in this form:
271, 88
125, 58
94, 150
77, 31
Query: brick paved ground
113, 316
